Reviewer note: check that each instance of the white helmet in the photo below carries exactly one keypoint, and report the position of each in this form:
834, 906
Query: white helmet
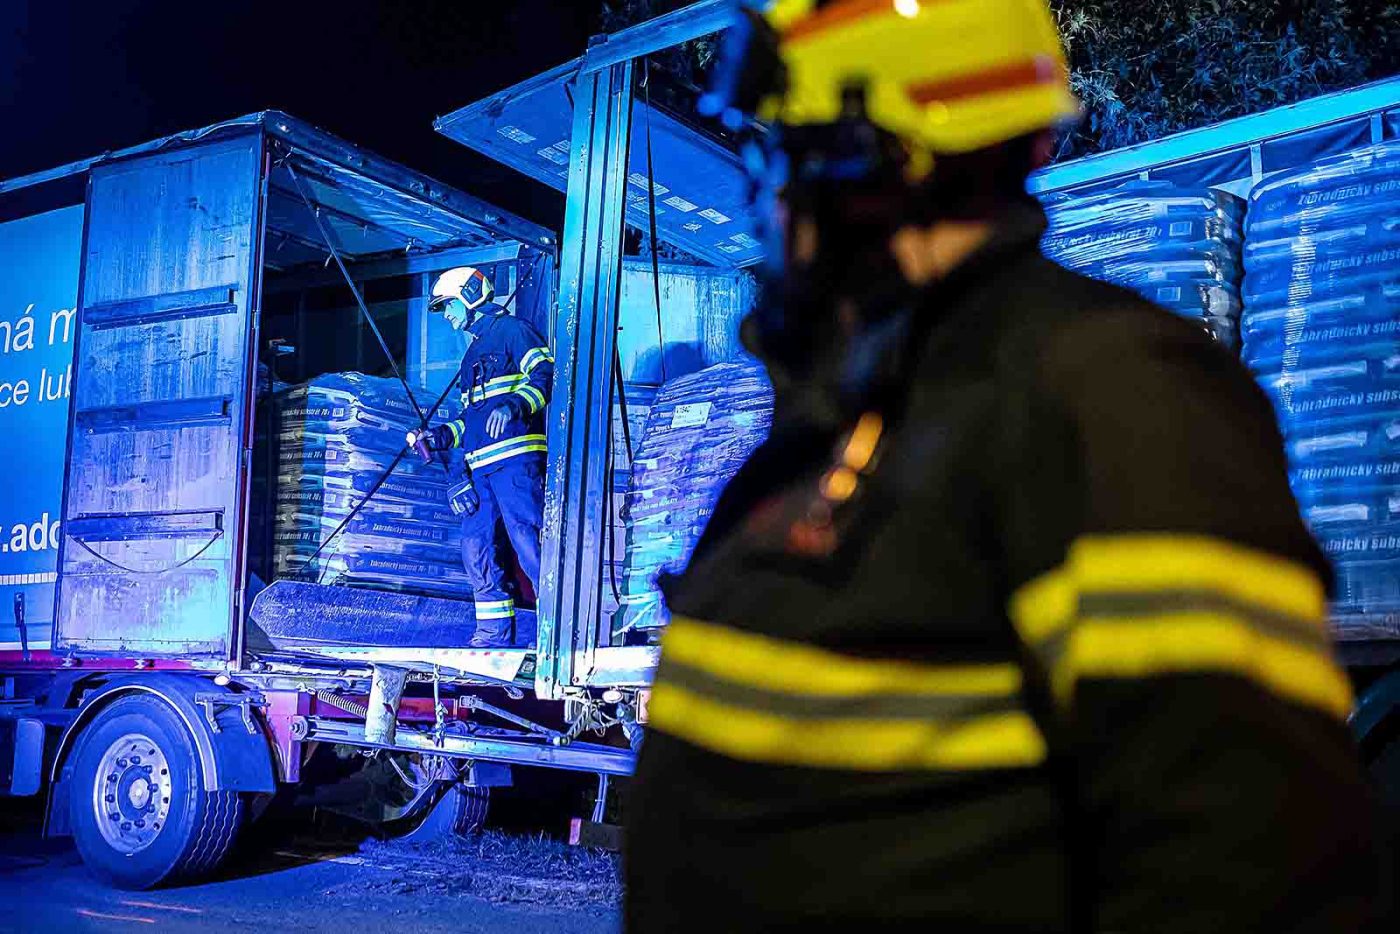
466, 284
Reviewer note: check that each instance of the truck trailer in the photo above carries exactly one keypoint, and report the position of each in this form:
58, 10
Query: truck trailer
161, 676
162, 679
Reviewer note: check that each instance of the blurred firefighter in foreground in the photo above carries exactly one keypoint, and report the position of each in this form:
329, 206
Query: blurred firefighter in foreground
1012, 624
505, 381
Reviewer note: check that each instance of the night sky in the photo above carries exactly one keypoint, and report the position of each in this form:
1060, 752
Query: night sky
78, 77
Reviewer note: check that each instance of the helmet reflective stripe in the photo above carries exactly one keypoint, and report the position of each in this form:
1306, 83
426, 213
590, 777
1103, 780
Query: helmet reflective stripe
947, 76
466, 284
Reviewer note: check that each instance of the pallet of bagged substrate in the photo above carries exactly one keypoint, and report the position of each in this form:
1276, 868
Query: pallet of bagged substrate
700, 430
1179, 247
336, 437
1322, 336
349, 402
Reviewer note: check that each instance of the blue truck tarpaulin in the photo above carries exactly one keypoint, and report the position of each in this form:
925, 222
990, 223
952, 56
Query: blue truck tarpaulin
39, 258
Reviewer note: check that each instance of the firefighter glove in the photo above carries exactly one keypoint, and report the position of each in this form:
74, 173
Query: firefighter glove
464, 498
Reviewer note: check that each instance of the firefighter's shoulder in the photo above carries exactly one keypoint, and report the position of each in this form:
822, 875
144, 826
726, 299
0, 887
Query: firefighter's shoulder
1089, 336
517, 326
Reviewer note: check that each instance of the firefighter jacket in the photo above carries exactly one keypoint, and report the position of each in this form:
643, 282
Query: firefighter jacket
507, 363
1036, 642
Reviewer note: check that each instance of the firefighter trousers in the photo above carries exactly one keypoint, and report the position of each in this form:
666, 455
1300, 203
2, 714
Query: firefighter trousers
511, 493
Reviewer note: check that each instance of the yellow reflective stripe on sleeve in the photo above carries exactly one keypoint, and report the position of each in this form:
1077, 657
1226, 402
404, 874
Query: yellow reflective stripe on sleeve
758, 698
495, 609
1004, 740
1150, 562
1138, 606
534, 357
1044, 607
1142, 647
532, 396
455, 427
501, 450
780, 665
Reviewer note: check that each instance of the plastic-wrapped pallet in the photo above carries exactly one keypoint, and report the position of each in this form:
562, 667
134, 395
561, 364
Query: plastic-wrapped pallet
336, 436
700, 430
1179, 247
639, 399
1322, 333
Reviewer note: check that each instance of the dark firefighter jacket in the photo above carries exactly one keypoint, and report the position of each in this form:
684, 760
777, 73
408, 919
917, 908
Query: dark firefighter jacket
507, 363
1037, 646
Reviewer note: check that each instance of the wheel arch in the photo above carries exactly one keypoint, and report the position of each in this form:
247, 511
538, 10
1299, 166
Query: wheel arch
234, 752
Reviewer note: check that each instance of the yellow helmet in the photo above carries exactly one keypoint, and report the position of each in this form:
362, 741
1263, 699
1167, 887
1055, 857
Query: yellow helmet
945, 76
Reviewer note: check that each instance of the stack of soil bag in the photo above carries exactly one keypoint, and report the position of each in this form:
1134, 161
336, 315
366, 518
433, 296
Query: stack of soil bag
699, 431
1179, 247
1321, 332
639, 398
336, 436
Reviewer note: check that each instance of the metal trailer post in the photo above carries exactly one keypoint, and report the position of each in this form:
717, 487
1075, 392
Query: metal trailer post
570, 599
590, 276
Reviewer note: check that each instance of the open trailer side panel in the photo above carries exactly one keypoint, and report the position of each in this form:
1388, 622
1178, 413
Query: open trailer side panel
585, 350
153, 497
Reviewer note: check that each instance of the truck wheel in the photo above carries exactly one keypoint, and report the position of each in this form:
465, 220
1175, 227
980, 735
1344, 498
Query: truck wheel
139, 811
460, 812
469, 809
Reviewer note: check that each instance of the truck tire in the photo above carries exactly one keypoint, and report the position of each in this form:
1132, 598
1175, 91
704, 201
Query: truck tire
460, 812
469, 810
139, 811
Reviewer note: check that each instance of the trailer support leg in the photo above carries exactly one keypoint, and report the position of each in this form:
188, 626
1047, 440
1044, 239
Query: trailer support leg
386, 689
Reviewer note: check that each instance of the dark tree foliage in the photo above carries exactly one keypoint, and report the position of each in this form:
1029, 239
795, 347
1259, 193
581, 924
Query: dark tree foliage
1146, 69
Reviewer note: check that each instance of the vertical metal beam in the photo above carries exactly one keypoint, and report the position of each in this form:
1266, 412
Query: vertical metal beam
570, 598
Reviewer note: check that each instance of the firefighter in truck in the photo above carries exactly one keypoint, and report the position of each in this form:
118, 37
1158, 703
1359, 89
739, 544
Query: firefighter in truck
505, 380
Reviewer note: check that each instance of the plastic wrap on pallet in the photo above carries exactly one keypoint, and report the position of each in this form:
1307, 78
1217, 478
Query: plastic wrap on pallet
699, 431
336, 436
1178, 247
639, 398
396, 490
380, 572
338, 401
1321, 331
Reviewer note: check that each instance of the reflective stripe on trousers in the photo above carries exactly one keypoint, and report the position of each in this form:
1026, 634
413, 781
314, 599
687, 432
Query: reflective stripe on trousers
511, 494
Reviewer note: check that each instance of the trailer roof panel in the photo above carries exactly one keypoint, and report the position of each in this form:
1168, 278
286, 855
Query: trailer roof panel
402, 205
1242, 148
702, 194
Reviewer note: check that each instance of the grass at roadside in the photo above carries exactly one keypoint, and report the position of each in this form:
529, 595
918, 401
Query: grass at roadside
504, 867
